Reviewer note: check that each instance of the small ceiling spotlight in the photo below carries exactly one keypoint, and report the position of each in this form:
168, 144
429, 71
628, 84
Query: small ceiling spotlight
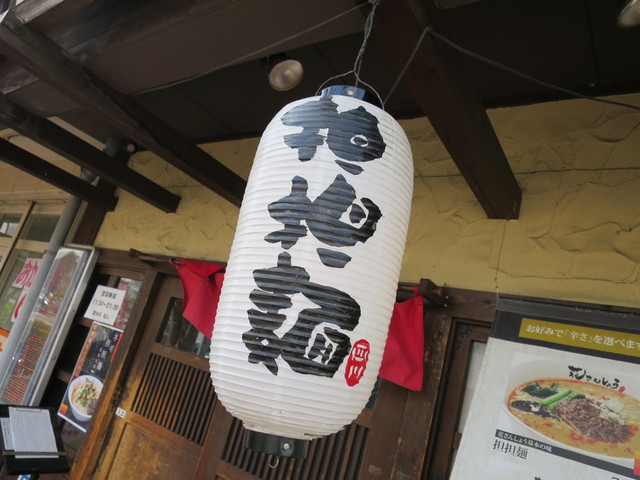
285, 73
118, 148
629, 15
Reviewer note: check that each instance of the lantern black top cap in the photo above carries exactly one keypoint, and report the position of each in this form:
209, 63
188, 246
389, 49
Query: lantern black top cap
354, 92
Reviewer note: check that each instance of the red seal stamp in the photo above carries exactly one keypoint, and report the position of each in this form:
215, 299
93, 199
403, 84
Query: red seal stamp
357, 363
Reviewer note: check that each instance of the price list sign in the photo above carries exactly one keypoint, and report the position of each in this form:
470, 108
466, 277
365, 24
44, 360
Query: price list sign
29, 357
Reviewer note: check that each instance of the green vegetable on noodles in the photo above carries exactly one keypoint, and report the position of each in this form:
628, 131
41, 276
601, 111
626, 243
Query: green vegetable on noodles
554, 400
536, 390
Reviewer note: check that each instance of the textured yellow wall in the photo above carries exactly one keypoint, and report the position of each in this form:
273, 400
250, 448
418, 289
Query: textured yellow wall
17, 186
577, 238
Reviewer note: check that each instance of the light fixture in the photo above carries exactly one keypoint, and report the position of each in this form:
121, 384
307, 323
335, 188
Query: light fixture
116, 147
312, 275
285, 73
629, 15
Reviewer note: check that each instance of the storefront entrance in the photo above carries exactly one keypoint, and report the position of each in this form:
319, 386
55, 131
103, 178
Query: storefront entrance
167, 401
159, 417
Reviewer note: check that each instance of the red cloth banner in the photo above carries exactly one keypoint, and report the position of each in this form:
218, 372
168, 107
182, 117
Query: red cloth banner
201, 284
402, 362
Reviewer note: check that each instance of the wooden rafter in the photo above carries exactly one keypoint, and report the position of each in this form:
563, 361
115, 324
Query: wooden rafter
46, 59
448, 97
34, 165
62, 142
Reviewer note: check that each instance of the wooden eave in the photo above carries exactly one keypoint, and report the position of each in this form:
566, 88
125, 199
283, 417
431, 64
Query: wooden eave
59, 140
447, 96
436, 78
34, 165
49, 62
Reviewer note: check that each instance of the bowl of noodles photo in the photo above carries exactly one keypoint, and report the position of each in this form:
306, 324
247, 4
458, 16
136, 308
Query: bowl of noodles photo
84, 392
577, 411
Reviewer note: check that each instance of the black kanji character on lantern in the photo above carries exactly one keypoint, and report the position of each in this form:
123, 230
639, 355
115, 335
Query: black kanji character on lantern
322, 217
352, 135
315, 344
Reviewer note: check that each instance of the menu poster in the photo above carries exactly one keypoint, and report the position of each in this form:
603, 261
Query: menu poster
91, 369
557, 399
49, 321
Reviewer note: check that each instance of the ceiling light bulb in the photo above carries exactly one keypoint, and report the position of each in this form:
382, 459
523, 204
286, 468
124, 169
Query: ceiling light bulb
630, 14
285, 75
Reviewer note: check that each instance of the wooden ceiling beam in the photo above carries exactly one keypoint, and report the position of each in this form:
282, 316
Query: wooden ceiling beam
34, 165
448, 97
47, 60
64, 143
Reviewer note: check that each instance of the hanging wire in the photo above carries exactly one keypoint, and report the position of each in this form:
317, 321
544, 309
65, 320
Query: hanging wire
524, 75
406, 65
357, 64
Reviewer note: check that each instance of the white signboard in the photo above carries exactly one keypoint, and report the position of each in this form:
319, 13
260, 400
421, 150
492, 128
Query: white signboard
556, 400
105, 304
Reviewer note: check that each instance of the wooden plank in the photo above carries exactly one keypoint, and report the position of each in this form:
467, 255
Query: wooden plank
454, 389
90, 222
420, 410
66, 144
423, 409
379, 456
43, 57
214, 443
33, 165
447, 95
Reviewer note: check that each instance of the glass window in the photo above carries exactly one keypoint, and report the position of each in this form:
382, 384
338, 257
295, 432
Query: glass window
39, 227
132, 287
9, 292
179, 333
9, 224
32, 240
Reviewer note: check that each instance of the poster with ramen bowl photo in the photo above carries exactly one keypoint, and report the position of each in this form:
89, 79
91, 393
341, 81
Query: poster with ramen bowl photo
557, 399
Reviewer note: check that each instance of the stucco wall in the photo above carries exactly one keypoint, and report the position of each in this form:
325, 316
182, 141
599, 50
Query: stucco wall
577, 237
17, 186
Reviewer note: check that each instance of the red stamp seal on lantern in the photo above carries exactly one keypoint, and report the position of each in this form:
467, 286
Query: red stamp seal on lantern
357, 363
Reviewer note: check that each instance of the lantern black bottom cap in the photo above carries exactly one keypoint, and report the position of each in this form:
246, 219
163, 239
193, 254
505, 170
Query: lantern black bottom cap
275, 444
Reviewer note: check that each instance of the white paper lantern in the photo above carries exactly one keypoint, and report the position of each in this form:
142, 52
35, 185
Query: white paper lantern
312, 275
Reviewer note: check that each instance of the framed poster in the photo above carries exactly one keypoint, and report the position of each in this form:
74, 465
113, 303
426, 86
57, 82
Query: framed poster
83, 391
558, 397
48, 324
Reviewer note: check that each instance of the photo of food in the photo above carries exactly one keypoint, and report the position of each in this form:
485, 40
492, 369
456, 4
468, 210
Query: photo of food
579, 414
84, 392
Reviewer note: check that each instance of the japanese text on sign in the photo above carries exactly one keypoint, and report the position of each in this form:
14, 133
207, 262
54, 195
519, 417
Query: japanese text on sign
584, 337
27, 274
105, 304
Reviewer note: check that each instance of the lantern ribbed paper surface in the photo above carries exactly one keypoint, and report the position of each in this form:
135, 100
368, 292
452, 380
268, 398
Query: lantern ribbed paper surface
312, 275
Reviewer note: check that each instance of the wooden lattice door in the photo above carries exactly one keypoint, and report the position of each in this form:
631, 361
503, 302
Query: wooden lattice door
167, 401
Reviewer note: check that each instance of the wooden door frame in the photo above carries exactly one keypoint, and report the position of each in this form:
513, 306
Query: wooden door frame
421, 416
88, 457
